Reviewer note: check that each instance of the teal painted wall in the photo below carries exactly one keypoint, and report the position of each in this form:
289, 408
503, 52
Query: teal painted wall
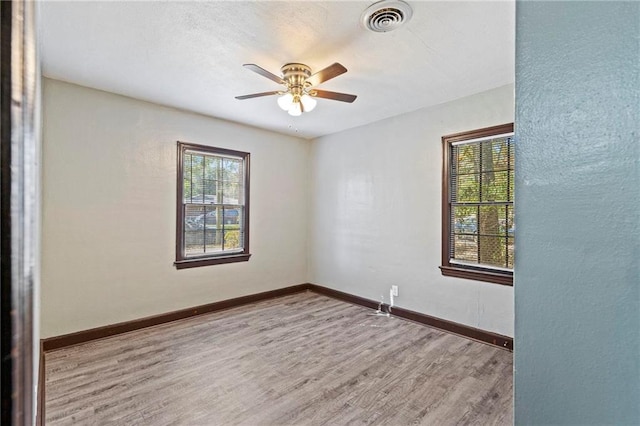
577, 279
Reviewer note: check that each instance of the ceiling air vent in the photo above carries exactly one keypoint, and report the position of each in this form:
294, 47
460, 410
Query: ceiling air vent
386, 15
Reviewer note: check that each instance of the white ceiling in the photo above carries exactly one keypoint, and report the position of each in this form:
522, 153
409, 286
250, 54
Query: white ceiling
189, 55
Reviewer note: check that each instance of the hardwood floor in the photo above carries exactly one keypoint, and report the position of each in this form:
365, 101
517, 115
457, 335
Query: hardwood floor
303, 359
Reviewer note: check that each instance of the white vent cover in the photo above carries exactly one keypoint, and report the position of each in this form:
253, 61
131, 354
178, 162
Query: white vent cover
386, 15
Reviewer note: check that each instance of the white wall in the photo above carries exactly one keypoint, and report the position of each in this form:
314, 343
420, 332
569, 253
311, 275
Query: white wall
109, 194
376, 212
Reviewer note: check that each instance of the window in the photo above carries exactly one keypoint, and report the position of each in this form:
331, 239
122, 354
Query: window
213, 206
478, 228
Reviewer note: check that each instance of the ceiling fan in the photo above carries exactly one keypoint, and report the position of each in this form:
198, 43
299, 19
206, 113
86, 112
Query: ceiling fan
299, 93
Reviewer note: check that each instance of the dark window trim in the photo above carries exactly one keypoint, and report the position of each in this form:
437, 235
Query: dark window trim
452, 269
183, 262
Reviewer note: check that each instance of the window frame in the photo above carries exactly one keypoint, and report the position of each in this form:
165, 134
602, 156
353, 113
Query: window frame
472, 272
207, 259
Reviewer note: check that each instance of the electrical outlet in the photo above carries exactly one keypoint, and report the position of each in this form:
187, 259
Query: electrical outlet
394, 290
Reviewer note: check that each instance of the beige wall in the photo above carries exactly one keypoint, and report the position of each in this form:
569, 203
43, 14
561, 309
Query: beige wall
357, 211
109, 194
376, 212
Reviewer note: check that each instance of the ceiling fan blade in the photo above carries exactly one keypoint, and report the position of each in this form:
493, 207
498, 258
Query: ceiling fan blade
264, 73
343, 97
257, 95
326, 74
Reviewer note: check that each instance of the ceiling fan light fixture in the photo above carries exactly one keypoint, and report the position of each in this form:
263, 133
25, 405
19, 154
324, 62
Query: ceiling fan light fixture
285, 101
308, 103
300, 93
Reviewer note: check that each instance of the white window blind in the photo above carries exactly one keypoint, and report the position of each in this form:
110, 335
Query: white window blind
481, 202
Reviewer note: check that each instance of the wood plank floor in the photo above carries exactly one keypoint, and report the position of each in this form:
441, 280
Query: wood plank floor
303, 359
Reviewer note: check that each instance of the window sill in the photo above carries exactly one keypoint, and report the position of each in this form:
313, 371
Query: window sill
194, 263
503, 278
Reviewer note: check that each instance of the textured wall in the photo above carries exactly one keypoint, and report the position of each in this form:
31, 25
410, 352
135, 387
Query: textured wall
376, 212
577, 282
109, 194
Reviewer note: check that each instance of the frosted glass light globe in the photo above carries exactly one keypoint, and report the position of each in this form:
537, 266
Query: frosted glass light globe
308, 103
285, 101
295, 109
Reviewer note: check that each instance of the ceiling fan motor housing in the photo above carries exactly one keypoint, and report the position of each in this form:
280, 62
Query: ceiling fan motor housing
295, 75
